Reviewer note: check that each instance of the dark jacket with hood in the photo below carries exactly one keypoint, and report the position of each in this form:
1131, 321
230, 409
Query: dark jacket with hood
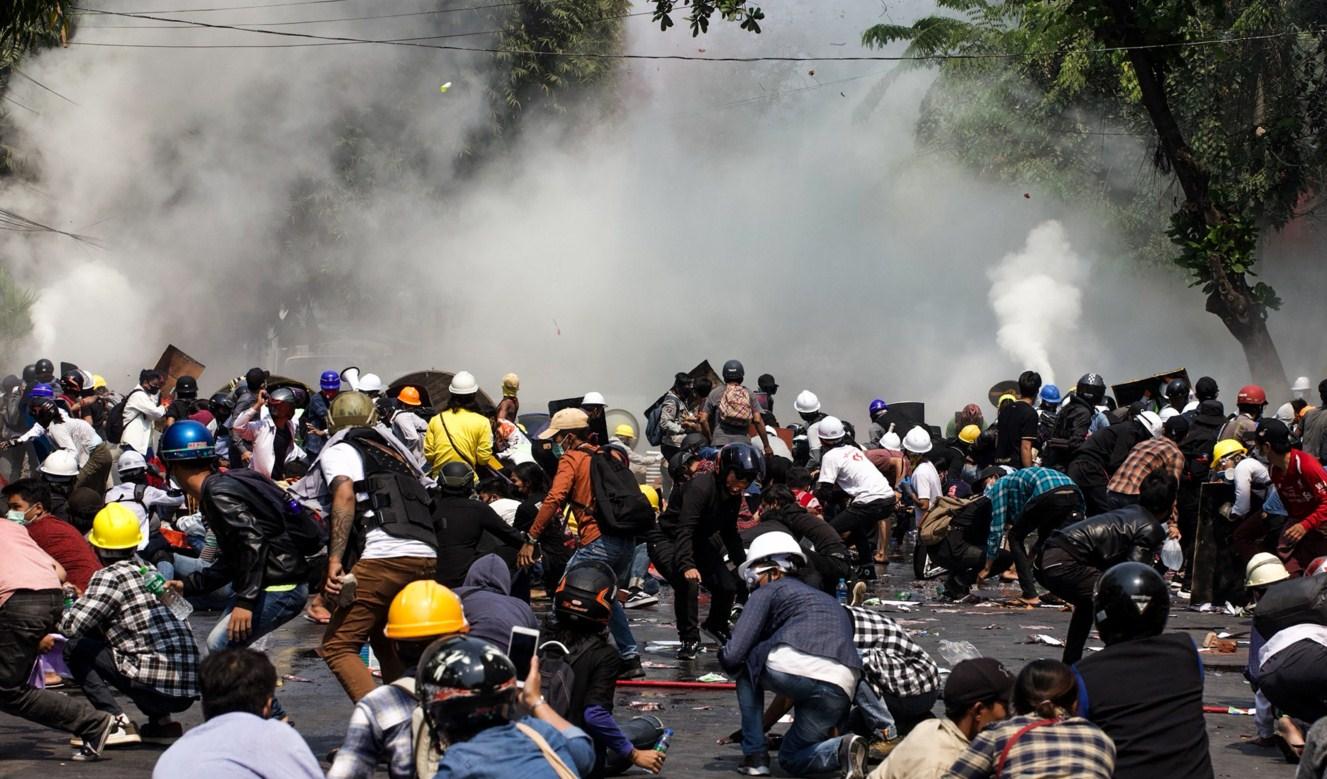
1071, 429
1130, 534
462, 524
801, 525
1105, 451
489, 608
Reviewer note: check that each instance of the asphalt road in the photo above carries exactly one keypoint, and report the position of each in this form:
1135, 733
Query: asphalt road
320, 709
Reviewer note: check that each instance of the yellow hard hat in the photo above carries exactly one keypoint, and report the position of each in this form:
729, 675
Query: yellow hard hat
423, 609
1225, 448
115, 527
1003, 398
969, 434
624, 431
98, 381
652, 495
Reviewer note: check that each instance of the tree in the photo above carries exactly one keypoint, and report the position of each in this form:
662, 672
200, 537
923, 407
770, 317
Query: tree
28, 24
1229, 94
15, 314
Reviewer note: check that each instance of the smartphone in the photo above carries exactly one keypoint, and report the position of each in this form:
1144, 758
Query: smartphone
520, 650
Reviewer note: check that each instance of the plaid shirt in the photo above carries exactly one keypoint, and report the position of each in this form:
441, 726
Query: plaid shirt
1010, 495
891, 661
1070, 747
380, 726
149, 644
1145, 457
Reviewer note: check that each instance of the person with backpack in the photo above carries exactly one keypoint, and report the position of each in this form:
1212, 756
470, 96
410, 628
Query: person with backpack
574, 487
406, 422
580, 668
1046, 738
263, 551
1074, 421
1102, 455
844, 466
684, 550
120, 635
730, 411
383, 535
669, 421
387, 725
131, 421
962, 549
1075, 556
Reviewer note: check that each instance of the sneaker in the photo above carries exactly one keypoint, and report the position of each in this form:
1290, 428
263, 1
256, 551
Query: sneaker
89, 752
124, 732
880, 749
866, 573
719, 636
852, 757
165, 733
858, 594
688, 650
754, 765
631, 669
638, 599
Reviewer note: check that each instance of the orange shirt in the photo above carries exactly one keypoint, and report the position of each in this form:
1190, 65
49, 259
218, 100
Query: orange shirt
571, 486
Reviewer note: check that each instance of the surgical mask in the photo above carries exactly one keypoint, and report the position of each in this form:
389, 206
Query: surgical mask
1229, 474
557, 449
14, 515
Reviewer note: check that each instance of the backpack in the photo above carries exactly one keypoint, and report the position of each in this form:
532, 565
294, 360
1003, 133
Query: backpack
305, 527
115, 419
620, 508
556, 670
1292, 602
653, 415
935, 524
735, 406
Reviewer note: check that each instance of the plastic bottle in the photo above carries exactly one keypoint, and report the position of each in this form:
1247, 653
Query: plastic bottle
664, 740
156, 584
843, 591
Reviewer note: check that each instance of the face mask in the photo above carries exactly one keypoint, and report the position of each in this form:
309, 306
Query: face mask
1229, 474
557, 449
14, 515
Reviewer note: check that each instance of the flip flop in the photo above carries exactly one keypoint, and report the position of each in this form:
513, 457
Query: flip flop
317, 620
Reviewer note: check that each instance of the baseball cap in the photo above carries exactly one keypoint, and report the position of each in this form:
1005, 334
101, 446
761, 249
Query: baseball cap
1275, 434
564, 420
978, 679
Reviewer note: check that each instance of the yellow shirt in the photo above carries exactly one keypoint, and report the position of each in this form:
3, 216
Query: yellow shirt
928, 752
458, 436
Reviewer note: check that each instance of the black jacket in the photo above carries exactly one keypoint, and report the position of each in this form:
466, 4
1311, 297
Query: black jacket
1071, 427
1204, 431
461, 523
697, 510
801, 525
1108, 449
255, 551
1130, 534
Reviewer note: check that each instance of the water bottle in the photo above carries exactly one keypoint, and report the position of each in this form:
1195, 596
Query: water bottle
662, 746
155, 583
842, 591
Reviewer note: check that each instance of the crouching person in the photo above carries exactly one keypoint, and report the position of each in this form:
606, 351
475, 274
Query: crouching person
467, 689
121, 637
383, 727
796, 641
583, 609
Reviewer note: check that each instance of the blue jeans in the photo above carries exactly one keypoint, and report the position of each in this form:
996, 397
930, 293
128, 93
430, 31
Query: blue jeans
640, 571
875, 714
273, 610
617, 552
818, 708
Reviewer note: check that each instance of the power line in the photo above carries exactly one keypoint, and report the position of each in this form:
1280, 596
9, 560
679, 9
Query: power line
225, 8
689, 58
43, 86
181, 24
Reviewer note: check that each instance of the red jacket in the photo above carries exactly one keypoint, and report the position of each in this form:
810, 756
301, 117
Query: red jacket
1302, 486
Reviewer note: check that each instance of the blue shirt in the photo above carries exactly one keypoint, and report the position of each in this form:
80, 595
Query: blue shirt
502, 752
792, 613
239, 746
1010, 495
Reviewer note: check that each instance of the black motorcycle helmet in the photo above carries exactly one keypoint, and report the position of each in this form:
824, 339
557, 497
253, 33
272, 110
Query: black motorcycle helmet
1131, 601
222, 405
678, 463
457, 478
44, 410
186, 388
44, 369
586, 592
733, 371
29, 375
1092, 388
740, 459
72, 382
1177, 391
464, 685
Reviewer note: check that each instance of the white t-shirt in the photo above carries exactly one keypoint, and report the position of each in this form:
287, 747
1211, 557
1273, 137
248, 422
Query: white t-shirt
776, 444
926, 484
152, 498
848, 468
506, 508
341, 459
787, 660
1250, 476
141, 410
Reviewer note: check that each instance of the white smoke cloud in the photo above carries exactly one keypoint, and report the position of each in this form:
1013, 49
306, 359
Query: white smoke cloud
1035, 296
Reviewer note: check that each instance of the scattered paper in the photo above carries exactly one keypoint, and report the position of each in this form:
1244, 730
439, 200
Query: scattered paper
294, 678
712, 677
701, 708
652, 664
1042, 638
786, 719
1035, 627
992, 626
645, 706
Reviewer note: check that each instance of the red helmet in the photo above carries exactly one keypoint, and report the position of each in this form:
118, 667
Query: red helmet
1316, 567
1251, 395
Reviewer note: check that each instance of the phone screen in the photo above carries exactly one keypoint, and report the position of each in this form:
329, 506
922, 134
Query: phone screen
521, 649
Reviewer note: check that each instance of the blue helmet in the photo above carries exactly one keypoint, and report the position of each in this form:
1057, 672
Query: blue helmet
331, 380
1050, 394
186, 441
42, 391
877, 406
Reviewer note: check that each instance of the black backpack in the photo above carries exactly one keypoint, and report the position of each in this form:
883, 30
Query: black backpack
559, 678
305, 527
115, 419
1292, 602
653, 432
620, 508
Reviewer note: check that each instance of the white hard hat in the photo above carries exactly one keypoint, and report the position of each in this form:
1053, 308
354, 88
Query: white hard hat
463, 383
917, 441
593, 399
806, 403
61, 462
1168, 412
131, 461
370, 382
1301, 385
774, 547
891, 441
1263, 569
1152, 422
1286, 413
830, 429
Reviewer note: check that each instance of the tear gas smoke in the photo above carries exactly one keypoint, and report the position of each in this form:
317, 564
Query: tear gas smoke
689, 211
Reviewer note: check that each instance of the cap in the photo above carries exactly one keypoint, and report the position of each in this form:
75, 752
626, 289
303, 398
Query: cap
1275, 434
564, 420
998, 471
978, 679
